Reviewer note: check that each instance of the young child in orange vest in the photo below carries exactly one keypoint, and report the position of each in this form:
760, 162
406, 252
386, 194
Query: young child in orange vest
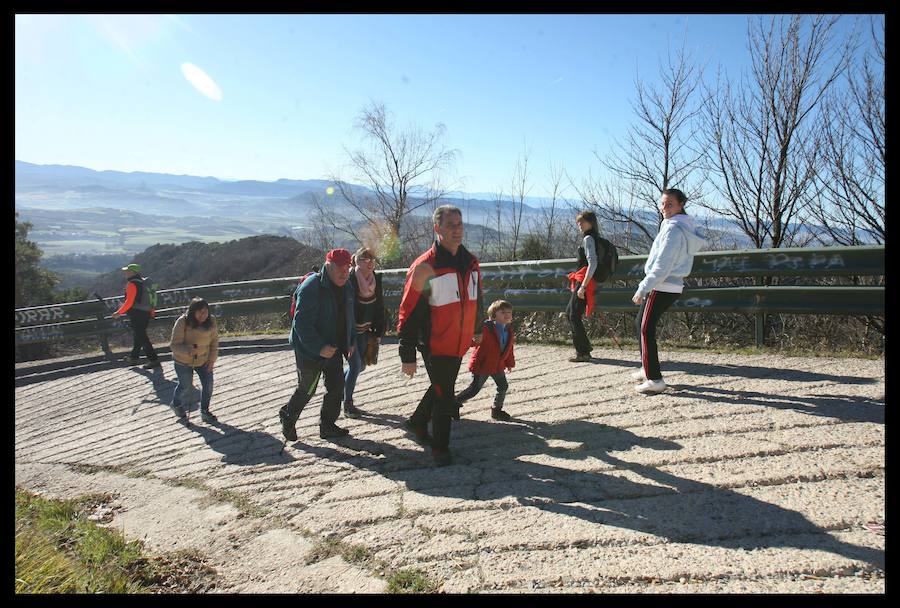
492, 357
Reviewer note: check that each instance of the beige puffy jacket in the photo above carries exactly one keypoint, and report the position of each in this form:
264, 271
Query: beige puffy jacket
194, 346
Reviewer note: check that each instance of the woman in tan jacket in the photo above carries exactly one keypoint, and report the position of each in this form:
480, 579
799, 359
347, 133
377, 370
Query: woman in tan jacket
195, 347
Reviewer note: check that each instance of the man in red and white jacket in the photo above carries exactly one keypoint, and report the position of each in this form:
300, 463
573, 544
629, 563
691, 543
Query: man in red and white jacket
439, 314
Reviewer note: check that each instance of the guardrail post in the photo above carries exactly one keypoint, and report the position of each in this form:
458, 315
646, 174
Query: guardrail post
760, 329
104, 338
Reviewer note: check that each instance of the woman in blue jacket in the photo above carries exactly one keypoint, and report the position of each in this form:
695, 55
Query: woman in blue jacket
670, 260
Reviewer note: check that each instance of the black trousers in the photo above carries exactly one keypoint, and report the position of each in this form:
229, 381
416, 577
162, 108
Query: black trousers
438, 403
140, 319
308, 374
652, 308
478, 382
575, 313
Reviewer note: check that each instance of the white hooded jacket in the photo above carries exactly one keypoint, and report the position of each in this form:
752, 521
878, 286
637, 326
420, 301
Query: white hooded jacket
671, 256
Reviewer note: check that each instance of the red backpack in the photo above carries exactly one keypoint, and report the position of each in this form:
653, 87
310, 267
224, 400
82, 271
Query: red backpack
294, 295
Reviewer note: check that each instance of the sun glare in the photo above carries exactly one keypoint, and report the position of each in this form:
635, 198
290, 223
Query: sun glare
201, 81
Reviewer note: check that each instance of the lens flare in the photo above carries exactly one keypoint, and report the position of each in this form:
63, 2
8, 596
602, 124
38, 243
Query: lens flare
201, 81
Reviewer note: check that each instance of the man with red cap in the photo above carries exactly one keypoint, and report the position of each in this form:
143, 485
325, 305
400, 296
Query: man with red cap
321, 334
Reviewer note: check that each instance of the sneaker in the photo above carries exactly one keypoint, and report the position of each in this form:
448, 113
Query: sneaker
152, 364
441, 457
287, 427
350, 410
131, 360
330, 431
179, 411
580, 359
208, 417
638, 375
651, 387
500, 415
419, 433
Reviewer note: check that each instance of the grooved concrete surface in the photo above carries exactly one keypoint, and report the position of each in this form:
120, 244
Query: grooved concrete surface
751, 474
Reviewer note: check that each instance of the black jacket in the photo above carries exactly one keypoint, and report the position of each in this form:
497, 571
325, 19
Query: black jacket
377, 327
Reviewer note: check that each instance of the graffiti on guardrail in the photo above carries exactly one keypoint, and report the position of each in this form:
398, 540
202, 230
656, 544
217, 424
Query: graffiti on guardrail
797, 262
51, 313
41, 333
245, 294
635, 270
524, 274
694, 303
507, 293
726, 263
178, 297
834, 260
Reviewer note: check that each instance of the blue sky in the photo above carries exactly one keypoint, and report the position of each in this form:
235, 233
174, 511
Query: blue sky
110, 92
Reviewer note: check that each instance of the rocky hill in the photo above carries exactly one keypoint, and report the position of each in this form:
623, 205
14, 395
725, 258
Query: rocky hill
196, 263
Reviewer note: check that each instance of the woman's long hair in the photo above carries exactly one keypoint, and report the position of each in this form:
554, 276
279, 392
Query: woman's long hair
195, 305
589, 216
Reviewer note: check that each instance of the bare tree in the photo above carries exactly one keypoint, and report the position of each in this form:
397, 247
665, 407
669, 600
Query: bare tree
519, 189
619, 209
851, 206
403, 170
659, 151
498, 220
763, 145
544, 227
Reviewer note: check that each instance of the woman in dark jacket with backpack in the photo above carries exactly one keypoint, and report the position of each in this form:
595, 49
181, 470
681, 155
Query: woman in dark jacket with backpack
581, 283
369, 312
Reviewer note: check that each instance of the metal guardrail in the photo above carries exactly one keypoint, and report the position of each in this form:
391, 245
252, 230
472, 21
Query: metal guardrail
531, 286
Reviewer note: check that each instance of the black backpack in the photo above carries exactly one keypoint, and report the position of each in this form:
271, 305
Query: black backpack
608, 259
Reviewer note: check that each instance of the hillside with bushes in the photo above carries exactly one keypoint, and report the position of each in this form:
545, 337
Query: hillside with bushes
196, 263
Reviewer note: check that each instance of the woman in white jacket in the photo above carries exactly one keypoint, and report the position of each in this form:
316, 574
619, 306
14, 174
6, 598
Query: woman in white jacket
670, 260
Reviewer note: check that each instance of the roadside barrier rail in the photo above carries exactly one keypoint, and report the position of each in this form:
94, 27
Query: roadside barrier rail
534, 285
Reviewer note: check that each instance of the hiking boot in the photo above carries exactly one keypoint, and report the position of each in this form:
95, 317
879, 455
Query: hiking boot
441, 457
179, 411
208, 417
287, 427
350, 410
580, 358
500, 415
638, 375
131, 360
152, 364
651, 387
330, 431
419, 433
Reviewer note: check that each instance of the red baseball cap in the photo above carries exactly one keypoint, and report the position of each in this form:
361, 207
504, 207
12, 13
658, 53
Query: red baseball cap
341, 257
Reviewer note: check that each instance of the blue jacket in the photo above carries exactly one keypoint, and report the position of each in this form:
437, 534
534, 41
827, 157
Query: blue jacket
315, 319
671, 255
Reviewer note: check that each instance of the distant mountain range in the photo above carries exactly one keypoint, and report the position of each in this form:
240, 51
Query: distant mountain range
65, 187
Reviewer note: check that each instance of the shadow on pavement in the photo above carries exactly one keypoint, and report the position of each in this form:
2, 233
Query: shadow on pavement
847, 408
237, 446
497, 460
240, 447
741, 371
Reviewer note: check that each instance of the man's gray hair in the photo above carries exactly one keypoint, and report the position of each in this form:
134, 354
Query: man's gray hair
443, 210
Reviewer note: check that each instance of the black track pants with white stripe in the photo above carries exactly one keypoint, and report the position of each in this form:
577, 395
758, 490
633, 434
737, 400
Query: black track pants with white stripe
652, 308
